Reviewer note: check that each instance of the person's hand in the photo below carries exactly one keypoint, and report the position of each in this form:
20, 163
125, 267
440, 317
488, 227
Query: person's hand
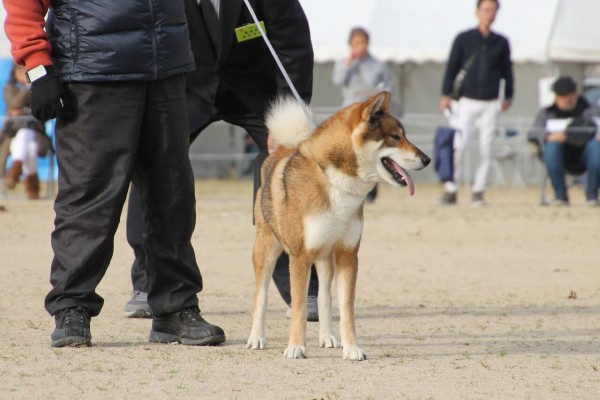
351, 58
557, 137
444, 103
48, 97
505, 105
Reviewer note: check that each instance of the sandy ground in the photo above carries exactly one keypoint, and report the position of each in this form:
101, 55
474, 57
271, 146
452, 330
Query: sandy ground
452, 303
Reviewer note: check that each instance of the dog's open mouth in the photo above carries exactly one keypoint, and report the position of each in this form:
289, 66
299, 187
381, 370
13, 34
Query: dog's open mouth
398, 174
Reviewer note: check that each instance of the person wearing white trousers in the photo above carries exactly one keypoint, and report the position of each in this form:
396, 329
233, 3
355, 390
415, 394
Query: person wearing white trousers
474, 115
24, 150
479, 61
22, 130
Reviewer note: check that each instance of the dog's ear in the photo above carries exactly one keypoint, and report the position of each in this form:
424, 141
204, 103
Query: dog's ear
377, 105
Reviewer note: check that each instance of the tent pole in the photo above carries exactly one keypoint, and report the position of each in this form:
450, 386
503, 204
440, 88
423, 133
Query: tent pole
548, 67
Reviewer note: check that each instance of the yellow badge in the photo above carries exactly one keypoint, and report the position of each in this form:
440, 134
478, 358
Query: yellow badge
248, 32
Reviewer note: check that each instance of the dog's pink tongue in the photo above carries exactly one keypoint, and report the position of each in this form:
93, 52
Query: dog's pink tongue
406, 176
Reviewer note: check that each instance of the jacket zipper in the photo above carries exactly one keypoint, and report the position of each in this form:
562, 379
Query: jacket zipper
482, 68
154, 40
75, 33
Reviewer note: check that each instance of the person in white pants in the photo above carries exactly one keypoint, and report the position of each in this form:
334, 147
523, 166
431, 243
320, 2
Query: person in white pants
472, 115
24, 150
479, 60
25, 133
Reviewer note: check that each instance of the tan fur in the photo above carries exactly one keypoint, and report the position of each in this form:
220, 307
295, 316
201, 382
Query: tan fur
311, 206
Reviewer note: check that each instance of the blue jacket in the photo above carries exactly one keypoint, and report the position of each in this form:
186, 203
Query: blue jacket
119, 40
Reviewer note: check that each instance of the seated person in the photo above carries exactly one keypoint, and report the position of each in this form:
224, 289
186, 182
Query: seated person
569, 140
22, 135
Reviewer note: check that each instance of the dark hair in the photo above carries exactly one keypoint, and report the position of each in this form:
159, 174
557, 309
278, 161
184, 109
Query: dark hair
494, 1
12, 79
358, 31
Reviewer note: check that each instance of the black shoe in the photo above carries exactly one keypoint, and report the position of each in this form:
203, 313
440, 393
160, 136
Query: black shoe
186, 327
72, 328
448, 199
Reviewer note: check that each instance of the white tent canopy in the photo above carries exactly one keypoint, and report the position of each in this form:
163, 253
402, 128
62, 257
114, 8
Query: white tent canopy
4, 43
405, 30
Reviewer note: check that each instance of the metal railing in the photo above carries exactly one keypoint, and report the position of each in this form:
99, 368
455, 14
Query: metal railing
513, 161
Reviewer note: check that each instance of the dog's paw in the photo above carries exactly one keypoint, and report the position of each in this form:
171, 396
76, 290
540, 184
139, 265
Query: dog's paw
354, 354
328, 341
295, 352
256, 343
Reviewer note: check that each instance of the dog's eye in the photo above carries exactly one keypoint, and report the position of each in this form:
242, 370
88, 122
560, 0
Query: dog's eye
396, 137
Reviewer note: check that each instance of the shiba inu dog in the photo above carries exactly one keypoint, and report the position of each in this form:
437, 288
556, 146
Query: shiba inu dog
310, 204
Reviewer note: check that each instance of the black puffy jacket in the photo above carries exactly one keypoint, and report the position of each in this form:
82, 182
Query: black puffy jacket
118, 40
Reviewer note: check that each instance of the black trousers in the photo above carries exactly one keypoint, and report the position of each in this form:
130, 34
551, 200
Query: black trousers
124, 132
233, 111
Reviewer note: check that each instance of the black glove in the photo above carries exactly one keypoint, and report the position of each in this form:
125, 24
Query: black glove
48, 97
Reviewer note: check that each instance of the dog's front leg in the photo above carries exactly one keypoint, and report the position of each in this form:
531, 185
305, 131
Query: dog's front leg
264, 256
325, 273
299, 274
347, 269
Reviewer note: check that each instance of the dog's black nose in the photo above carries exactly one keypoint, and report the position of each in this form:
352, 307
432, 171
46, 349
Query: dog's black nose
425, 160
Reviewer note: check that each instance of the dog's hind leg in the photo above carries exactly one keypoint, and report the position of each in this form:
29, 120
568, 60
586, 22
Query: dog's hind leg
347, 269
264, 256
325, 273
299, 275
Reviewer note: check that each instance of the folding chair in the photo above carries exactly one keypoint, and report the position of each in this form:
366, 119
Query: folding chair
508, 153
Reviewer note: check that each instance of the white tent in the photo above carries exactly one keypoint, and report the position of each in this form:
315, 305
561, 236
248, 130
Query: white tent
4, 43
406, 30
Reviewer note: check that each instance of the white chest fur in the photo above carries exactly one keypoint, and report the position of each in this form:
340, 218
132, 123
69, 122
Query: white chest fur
340, 223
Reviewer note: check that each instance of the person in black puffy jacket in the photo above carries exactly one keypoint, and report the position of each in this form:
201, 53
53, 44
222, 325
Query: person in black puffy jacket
112, 73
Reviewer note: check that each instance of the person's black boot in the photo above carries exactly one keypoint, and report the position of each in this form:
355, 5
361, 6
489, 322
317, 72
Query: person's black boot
72, 328
186, 327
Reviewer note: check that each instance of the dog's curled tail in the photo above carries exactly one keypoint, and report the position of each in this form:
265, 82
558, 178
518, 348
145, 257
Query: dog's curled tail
287, 123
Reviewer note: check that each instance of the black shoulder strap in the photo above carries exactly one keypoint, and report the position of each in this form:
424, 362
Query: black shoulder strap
471, 58
460, 77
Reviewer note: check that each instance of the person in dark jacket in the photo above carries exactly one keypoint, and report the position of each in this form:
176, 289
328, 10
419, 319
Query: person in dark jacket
568, 137
117, 89
483, 57
234, 81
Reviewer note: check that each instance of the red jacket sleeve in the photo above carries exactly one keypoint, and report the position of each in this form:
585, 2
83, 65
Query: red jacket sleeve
24, 27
